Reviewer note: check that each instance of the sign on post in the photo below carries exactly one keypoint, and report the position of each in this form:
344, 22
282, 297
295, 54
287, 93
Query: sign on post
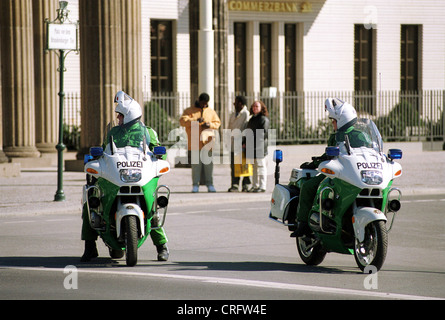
62, 36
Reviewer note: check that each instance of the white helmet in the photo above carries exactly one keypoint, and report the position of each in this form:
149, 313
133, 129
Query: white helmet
127, 106
341, 111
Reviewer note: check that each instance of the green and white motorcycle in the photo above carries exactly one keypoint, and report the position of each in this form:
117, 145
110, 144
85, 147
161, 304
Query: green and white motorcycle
122, 197
353, 203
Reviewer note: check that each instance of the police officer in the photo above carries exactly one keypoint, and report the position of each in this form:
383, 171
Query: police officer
343, 116
130, 131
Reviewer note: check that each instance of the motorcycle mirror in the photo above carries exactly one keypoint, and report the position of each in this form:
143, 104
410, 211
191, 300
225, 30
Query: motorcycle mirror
159, 151
395, 154
332, 151
278, 156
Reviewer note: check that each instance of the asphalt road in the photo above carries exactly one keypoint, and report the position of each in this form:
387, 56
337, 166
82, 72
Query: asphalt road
227, 251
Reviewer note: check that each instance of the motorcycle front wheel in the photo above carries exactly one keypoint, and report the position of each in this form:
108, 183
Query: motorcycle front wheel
131, 240
310, 250
372, 251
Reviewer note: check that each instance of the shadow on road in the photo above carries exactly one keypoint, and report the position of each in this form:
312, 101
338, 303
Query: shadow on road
55, 262
241, 266
252, 266
104, 262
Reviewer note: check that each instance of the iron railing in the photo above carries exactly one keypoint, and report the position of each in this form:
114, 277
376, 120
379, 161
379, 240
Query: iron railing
71, 120
299, 117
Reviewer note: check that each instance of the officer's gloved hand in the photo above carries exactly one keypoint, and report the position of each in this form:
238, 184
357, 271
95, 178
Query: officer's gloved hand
308, 165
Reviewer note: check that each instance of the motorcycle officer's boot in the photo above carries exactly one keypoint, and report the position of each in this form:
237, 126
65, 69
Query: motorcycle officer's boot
90, 251
163, 253
302, 229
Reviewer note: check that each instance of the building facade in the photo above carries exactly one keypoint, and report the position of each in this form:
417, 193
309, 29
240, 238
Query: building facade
272, 49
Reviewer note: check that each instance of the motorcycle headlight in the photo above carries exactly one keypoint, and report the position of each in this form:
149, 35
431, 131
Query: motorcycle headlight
130, 175
372, 177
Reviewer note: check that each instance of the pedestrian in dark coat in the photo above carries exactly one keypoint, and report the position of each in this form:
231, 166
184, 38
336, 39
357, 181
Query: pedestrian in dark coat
257, 151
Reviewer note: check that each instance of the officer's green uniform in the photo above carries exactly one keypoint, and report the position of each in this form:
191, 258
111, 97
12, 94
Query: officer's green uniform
356, 137
130, 134
309, 189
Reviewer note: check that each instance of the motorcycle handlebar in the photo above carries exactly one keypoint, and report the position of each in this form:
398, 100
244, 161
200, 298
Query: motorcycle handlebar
321, 158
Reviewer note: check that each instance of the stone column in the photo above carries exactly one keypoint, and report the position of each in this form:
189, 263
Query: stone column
3, 157
221, 29
46, 79
206, 51
194, 69
18, 78
131, 49
101, 67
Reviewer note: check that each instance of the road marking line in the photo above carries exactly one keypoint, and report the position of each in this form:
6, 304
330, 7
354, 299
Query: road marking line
227, 210
421, 200
21, 221
219, 210
175, 213
243, 282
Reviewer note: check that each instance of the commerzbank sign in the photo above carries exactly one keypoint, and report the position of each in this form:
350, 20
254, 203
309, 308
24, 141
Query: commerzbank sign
270, 6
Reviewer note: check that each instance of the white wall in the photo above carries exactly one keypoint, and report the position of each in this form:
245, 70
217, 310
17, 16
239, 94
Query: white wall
72, 61
177, 10
329, 44
328, 41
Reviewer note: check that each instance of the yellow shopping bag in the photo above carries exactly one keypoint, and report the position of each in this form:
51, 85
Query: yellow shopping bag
242, 168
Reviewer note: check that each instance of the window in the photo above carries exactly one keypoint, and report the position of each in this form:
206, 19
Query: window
290, 72
161, 41
409, 58
364, 68
363, 62
265, 55
410, 48
240, 57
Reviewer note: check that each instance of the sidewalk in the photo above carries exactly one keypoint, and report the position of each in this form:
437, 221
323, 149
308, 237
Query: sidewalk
33, 192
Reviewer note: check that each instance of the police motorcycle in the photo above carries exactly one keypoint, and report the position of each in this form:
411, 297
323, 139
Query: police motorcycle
122, 197
352, 205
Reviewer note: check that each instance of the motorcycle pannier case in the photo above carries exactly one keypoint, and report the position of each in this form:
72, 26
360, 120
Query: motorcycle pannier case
284, 200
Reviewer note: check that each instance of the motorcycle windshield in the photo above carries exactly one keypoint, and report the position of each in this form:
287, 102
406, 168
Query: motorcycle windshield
133, 135
364, 133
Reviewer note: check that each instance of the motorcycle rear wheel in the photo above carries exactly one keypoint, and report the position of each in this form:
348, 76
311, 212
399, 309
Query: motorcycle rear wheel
311, 255
372, 251
131, 240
